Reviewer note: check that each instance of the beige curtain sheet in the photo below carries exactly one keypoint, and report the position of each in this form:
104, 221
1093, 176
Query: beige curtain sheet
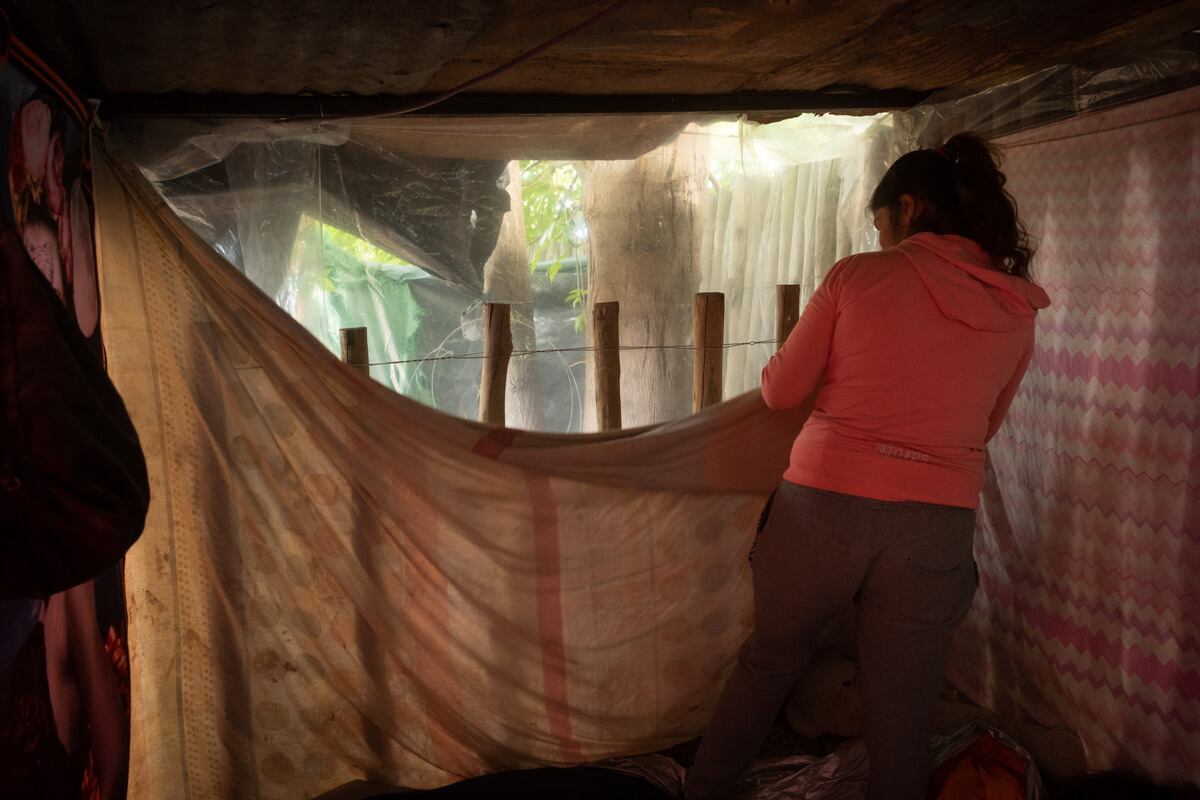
336, 582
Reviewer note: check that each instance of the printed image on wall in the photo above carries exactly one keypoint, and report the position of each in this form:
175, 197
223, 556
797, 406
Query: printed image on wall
64, 675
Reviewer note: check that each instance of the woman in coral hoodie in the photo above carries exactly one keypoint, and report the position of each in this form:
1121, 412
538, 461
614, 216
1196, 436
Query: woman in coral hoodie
910, 357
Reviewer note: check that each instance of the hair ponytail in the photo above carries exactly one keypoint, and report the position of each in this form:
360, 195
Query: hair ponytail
962, 189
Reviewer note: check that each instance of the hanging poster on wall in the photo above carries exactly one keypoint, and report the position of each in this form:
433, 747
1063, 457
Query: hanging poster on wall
64, 680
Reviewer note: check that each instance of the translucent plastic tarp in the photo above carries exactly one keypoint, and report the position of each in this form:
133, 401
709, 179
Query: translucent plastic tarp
343, 229
407, 225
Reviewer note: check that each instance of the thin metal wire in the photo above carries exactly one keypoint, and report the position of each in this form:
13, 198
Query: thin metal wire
516, 353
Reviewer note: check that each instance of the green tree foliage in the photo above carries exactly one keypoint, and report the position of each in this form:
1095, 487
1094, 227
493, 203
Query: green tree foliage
552, 194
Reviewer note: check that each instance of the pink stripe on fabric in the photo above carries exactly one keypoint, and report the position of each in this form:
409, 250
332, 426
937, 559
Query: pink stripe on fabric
1138, 293
1111, 438
495, 442
1142, 372
1104, 697
1115, 301
1120, 408
1105, 703
1160, 618
1121, 328
1172, 676
1093, 469
1116, 575
550, 614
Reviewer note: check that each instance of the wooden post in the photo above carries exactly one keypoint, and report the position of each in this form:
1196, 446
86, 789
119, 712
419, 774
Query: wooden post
606, 339
354, 349
787, 311
497, 348
708, 329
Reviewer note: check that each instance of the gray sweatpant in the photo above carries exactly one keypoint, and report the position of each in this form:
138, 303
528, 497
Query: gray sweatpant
909, 570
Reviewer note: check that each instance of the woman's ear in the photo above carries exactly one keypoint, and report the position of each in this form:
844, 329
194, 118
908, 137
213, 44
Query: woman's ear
911, 210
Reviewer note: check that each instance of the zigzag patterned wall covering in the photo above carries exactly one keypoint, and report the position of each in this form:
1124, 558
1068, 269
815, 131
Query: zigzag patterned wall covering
1089, 534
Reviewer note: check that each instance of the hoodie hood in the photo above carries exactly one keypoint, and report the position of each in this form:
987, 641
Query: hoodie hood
958, 275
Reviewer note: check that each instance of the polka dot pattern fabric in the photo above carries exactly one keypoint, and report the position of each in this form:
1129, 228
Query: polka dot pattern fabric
336, 582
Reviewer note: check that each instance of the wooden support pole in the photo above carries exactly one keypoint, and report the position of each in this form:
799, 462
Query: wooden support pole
606, 339
708, 329
787, 311
354, 349
497, 349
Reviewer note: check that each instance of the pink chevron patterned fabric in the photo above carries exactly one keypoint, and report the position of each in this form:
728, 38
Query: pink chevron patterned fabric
1089, 528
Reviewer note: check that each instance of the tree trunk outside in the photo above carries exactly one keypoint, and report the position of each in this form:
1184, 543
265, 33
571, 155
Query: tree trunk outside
644, 222
506, 280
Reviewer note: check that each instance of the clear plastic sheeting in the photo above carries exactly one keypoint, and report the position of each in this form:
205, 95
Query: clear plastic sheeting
407, 225
348, 224
785, 202
389, 225
1053, 94
443, 214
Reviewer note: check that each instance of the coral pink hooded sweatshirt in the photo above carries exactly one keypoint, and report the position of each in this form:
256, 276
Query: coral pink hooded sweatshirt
921, 348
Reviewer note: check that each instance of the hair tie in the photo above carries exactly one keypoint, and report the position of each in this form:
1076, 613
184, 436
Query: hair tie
948, 153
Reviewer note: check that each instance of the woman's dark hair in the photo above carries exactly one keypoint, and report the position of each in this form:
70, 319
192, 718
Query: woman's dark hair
962, 189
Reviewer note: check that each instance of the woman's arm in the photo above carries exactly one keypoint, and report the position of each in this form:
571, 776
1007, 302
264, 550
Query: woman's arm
792, 374
108, 728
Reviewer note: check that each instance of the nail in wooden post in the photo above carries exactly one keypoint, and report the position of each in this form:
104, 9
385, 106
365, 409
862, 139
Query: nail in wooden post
708, 329
606, 339
497, 348
354, 349
787, 311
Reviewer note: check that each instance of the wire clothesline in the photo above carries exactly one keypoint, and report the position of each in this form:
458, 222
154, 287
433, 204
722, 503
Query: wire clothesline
583, 349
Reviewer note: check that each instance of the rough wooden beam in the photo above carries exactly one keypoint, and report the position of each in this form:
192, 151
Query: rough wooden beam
354, 349
606, 338
787, 311
708, 363
180, 104
497, 349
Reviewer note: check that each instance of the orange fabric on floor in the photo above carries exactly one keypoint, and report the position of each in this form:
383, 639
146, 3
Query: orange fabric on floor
987, 770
